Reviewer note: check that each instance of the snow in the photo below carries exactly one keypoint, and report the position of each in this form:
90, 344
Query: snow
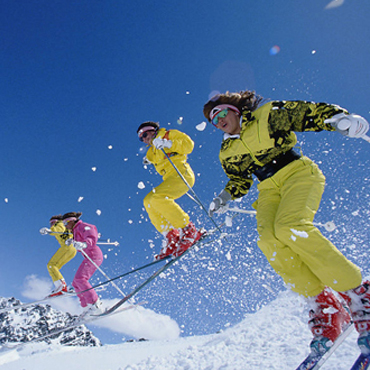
275, 337
201, 126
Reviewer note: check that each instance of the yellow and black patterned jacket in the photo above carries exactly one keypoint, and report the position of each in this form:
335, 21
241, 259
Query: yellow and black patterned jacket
266, 133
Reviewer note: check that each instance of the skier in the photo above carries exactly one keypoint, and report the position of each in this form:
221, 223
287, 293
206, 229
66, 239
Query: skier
85, 237
166, 215
63, 255
258, 140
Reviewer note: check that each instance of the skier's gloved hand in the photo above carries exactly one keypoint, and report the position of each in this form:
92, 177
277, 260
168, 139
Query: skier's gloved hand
68, 241
45, 231
160, 143
79, 245
219, 203
351, 125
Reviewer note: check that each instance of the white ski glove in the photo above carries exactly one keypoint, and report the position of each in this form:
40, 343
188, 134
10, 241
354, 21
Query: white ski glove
68, 241
160, 143
351, 125
79, 245
219, 204
45, 231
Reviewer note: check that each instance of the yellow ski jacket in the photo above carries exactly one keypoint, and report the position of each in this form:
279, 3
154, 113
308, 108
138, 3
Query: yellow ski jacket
266, 133
182, 145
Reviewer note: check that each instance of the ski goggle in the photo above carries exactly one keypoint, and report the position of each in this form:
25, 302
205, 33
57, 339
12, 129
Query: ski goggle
53, 221
221, 114
221, 111
143, 133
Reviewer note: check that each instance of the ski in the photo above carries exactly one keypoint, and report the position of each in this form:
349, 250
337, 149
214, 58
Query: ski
315, 361
78, 322
200, 242
362, 362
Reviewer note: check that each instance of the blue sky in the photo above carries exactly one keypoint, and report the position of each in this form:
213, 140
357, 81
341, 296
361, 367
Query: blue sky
78, 77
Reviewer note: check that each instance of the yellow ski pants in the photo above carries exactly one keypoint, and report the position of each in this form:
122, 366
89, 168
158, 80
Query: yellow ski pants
294, 247
63, 255
164, 213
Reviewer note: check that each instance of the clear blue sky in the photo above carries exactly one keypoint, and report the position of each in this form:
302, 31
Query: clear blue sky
79, 76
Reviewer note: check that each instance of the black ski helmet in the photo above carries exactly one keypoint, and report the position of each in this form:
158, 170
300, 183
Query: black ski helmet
155, 126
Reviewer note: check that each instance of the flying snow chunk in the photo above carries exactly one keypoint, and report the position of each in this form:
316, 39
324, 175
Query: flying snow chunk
98, 212
93, 168
142, 150
110, 147
202, 126
228, 221
80, 199
188, 92
6, 200
313, 52
141, 185
334, 4
301, 234
180, 120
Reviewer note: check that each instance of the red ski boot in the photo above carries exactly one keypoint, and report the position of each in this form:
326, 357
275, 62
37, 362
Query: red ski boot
328, 318
190, 235
358, 300
170, 244
60, 288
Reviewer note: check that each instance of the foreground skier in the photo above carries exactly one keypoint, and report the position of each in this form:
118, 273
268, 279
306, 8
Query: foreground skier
165, 214
258, 140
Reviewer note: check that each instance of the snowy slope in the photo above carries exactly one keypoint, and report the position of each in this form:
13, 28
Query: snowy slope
276, 337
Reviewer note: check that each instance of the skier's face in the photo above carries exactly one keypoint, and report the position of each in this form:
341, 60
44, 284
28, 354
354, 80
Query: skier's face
69, 225
147, 136
229, 123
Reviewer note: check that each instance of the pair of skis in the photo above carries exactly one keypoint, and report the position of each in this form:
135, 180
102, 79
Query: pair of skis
316, 361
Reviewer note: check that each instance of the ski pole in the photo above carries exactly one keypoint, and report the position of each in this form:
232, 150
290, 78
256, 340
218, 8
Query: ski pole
366, 138
329, 226
103, 273
108, 242
125, 274
169, 257
193, 199
191, 190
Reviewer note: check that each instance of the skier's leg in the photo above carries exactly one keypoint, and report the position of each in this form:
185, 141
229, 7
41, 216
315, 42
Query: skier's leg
301, 193
285, 262
160, 204
63, 255
81, 279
